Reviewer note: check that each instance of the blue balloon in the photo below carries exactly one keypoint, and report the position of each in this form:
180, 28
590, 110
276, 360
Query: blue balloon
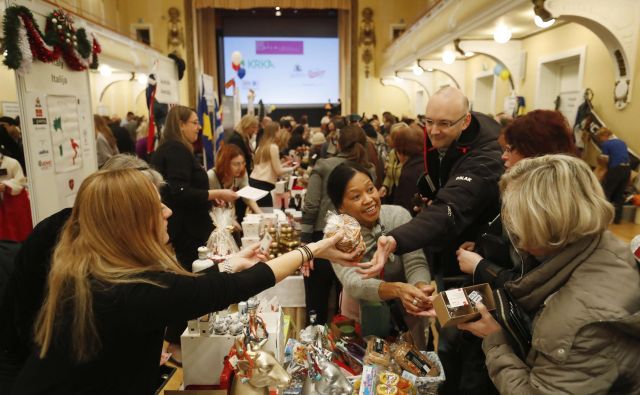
242, 72
498, 69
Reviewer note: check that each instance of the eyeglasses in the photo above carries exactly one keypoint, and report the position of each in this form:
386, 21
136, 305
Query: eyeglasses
442, 124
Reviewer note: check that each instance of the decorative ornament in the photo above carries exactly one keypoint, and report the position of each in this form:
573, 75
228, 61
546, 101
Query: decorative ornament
24, 41
367, 38
504, 75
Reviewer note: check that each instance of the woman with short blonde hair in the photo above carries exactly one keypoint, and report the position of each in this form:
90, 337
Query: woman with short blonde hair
546, 204
582, 297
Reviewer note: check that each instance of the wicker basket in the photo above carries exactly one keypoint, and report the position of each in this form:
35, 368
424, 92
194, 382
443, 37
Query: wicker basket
429, 385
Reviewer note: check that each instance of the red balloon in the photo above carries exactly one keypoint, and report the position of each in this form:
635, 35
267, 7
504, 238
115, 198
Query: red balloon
235, 67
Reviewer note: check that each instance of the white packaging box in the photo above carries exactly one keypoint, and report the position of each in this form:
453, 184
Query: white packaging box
203, 356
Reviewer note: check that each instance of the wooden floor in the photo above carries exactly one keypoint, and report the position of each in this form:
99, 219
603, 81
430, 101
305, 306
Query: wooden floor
626, 232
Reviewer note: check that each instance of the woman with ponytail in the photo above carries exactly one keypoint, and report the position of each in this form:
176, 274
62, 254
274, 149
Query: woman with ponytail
351, 147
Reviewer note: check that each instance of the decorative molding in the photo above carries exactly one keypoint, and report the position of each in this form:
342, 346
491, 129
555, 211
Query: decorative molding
508, 54
617, 26
409, 47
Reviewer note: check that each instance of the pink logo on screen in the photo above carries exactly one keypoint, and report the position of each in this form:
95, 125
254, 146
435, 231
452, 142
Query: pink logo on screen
279, 48
315, 73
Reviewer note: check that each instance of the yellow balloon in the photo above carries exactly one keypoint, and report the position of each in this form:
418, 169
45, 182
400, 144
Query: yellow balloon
504, 74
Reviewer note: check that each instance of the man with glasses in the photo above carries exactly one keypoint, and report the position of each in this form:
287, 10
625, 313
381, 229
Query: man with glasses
460, 185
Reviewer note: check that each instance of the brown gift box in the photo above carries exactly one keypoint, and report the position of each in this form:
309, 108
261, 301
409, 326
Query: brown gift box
467, 312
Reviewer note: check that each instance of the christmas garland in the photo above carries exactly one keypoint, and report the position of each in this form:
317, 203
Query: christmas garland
25, 42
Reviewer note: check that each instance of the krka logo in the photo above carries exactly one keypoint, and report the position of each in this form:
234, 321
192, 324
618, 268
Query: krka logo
260, 64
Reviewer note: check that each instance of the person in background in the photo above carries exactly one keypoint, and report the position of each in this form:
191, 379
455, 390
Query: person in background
130, 122
142, 133
123, 138
263, 123
11, 140
268, 166
106, 145
187, 194
372, 153
15, 209
406, 278
583, 296
114, 285
351, 147
317, 140
615, 155
230, 173
492, 258
330, 147
392, 167
297, 138
27, 284
408, 146
242, 135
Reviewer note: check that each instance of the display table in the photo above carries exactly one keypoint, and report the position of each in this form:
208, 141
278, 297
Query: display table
203, 356
291, 296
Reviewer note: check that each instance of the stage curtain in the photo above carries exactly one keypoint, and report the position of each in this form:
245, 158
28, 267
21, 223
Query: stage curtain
206, 27
245, 4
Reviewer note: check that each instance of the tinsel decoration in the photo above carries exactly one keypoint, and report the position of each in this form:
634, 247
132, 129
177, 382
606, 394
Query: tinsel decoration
24, 41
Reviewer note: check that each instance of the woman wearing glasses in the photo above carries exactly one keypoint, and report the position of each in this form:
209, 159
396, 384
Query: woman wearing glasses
187, 194
406, 277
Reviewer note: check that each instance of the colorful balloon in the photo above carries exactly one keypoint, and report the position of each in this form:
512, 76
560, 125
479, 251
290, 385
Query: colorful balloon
504, 75
497, 70
235, 67
236, 57
242, 72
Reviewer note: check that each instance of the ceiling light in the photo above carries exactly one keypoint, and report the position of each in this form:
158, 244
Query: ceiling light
278, 13
448, 57
502, 34
469, 53
542, 24
277, 8
105, 70
142, 78
417, 70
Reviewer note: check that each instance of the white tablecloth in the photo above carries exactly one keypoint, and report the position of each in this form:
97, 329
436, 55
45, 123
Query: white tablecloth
290, 292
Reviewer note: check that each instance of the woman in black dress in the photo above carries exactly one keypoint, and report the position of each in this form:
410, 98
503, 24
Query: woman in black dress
187, 194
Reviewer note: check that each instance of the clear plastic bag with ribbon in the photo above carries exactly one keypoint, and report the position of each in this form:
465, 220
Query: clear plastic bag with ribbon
221, 242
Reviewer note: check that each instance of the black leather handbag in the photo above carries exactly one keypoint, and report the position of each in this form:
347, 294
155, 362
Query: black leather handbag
514, 320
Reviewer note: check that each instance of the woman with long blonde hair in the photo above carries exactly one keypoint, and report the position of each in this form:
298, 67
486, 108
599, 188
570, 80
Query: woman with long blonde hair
267, 164
106, 146
114, 285
242, 135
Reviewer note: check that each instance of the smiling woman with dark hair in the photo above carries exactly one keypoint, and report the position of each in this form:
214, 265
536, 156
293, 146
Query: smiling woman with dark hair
352, 192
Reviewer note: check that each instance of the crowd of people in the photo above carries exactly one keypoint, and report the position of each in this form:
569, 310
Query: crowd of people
451, 198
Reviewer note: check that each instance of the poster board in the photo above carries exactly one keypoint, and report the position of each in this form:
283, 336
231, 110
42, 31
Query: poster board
57, 129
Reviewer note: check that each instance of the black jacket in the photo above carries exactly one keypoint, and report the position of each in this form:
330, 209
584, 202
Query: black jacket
466, 199
130, 319
406, 189
26, 288
186, 194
